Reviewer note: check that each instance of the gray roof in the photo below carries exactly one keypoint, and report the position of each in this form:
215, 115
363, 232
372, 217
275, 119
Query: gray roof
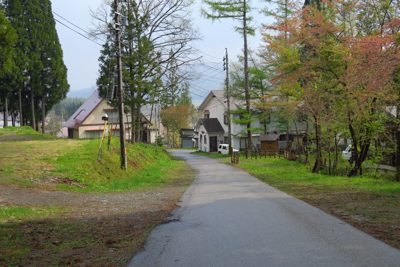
212, 125
268, 137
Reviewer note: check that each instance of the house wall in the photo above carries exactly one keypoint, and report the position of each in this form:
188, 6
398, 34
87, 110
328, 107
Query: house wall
203, 146
94, 121
216, 110
75, 133
187, 143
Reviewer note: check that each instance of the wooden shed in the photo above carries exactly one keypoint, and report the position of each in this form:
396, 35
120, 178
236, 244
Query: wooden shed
269, 142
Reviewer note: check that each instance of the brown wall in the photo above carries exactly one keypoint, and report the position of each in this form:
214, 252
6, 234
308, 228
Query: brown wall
269, 145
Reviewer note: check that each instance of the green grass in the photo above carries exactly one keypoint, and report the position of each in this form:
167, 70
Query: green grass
44, 157
147, 168
17, 213
23, 132
283, 172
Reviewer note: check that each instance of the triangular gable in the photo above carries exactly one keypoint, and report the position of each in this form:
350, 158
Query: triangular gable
81, 114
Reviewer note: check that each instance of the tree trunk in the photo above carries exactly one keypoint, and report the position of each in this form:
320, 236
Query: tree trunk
33, 123
398, 152
139, 124
358, 158
133, 123
398, 144
306, 144
318, 159
336, 155
168, 142
21, 121
246, 76
13, 118
43, 114
6, 114
329, 154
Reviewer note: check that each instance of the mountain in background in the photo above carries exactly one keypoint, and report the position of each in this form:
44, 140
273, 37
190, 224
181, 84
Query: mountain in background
84, 93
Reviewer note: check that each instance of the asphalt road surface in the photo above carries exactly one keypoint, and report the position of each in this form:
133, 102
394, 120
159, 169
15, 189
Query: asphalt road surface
229, 218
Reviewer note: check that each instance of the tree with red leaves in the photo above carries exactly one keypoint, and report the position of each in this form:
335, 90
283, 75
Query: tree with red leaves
339, 71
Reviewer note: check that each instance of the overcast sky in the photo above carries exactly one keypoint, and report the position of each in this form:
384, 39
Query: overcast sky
81, 55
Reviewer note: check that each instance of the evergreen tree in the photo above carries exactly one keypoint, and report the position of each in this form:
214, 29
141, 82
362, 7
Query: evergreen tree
39, 73
8, 37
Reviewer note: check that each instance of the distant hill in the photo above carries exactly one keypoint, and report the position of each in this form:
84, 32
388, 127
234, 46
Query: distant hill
85, 93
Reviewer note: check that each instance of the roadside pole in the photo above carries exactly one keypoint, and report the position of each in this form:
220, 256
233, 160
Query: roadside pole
120, 101
228, 99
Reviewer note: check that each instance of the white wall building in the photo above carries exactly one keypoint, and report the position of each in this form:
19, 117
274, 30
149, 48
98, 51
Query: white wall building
212, 129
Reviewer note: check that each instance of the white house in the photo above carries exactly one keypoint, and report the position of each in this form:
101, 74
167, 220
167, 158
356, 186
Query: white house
212, 129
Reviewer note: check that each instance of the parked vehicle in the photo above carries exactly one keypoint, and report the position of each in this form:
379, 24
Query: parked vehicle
346, 154
224, 149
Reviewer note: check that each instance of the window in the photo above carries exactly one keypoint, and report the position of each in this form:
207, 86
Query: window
94, 134
205, 139
201, 138
225, 118
113, 115
206, 116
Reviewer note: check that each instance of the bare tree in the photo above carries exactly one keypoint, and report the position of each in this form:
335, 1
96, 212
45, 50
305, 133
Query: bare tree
158, 37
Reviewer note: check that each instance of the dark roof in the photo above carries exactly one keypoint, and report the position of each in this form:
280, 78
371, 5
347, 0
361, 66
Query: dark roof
268, 137
187, 135
84, 111
212, 125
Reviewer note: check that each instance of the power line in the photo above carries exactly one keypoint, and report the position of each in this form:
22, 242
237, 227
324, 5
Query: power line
78, 27
208, 55
78, 32
64, 24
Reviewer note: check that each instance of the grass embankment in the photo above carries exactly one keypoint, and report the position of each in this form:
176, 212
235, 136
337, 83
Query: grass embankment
41, 159
371, 204
37, 234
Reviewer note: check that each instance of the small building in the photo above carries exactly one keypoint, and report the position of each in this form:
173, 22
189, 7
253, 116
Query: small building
269, 142
186, 138
210, 134
87, 121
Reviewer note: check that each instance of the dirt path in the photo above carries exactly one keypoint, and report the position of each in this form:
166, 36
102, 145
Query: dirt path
94, 230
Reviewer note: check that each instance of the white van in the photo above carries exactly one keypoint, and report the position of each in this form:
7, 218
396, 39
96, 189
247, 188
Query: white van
224, 149
346, 154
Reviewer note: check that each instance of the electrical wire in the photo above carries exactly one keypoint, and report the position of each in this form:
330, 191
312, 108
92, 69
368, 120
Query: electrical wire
64, 24
166, 68
79, 27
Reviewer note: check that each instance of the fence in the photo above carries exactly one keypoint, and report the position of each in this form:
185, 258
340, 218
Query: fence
262, 153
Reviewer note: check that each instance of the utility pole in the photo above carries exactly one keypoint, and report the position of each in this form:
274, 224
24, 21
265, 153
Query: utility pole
118, 30
226, 67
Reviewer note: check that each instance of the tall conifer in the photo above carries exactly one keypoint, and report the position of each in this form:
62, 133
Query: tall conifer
39, 72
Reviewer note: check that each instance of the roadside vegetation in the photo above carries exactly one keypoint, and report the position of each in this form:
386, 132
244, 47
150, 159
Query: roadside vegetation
63, 207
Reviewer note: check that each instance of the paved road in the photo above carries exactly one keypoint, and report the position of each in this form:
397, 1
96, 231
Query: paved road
229, 218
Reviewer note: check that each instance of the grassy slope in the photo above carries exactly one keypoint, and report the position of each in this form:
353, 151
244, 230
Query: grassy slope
27, 155
34, 160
